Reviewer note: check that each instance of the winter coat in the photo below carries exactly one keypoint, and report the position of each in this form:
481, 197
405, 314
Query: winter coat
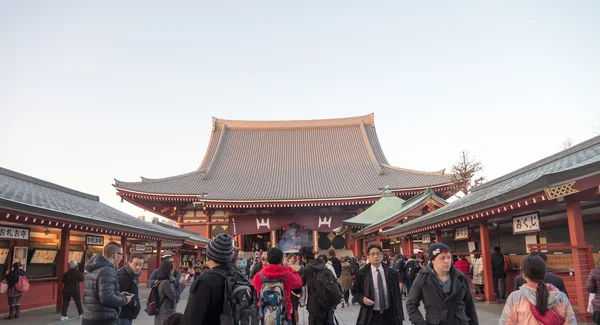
71, 280
291, 281
363, 286
308, 275
464, 267
478, 271
168, 296
593, 286
205, 302
337, 266
456, 308
551, 278
329, 266
498, 265
129, 282
345, 279
12, 279
101, 299
154, 275
255, 269
412, 265
517, 309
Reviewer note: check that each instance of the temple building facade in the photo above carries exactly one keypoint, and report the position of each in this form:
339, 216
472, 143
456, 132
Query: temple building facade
283, 183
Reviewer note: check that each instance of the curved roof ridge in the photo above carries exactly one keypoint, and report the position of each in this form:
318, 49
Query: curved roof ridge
293, 124
370, 152
153, 180
440, 172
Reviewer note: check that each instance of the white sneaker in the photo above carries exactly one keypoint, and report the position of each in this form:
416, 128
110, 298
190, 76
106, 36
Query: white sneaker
64, 318
80, 317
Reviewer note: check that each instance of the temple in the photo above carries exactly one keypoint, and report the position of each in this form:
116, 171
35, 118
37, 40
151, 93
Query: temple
284, 183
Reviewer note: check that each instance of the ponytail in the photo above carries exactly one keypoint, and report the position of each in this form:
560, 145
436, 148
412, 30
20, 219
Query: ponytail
542, 298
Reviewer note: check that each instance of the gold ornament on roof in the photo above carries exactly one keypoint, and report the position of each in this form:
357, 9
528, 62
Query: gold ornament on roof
560, 190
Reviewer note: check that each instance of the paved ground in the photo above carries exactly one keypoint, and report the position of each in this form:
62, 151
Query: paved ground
488, 314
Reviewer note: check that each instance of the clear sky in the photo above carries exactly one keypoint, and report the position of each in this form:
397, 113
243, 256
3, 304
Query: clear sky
91, 91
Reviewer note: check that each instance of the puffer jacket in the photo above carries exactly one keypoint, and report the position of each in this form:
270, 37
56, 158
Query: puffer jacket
593, 286
71, 280
101, 299
517, 309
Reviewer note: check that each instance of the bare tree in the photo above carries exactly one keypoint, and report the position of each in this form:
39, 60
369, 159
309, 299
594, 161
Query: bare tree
464, 173
567, 143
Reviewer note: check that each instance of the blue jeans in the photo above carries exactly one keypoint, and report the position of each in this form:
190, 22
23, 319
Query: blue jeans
123, 321
503, 291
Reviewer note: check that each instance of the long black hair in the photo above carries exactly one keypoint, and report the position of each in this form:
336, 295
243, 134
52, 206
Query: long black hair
534, 268
164, 272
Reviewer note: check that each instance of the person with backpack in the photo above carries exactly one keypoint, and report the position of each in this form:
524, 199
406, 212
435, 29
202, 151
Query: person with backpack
153, 276
537, 302
498, 273
444, 291
168, 292
274, 284
129, 279
412, 268
220, 296
101, 295
71, 280
15, 289
376, 289
322, 288
354, 267
400, 268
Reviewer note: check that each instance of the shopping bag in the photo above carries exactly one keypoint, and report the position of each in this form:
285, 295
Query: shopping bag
590, 308
3, 288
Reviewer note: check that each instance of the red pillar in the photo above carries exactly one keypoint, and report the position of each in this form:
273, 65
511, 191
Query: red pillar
240, 240
180, 221
348, 240
411, 247
580, 264
158, 253
63, 255
125, 251
486, 255
315, 242
438, 235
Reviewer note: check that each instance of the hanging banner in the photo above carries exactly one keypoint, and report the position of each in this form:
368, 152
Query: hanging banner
94, 240
461, 233
246, 225
14, 233
526, 223
426, 239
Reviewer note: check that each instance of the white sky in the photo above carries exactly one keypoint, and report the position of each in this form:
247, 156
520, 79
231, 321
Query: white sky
95, 91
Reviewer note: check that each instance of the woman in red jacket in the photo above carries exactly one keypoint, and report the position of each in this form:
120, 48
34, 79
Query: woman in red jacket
463, 266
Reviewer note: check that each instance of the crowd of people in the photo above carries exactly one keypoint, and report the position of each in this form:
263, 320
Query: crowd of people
269, 287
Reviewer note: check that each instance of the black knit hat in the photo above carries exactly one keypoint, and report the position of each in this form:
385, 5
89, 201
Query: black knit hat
437, 248
220, 249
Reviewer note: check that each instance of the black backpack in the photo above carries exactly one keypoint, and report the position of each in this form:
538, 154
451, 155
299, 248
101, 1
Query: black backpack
152, 303
240, 300
412, 269
400, 268
326, 289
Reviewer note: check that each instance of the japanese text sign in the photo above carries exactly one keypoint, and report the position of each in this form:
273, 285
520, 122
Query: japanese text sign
94, 240
426, 238
461, 233
140, 247
526, 223
14, 233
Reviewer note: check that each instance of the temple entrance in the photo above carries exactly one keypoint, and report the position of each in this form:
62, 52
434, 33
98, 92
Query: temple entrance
257, 242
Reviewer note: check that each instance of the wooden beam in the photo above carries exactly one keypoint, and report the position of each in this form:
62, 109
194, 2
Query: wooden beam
486, 255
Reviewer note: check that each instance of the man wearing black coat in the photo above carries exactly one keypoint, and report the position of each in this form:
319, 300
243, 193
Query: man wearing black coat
498, 273
71, 279
101, 295
376, 288
317, 314
129, 279
335, 262
205, 302
444, 291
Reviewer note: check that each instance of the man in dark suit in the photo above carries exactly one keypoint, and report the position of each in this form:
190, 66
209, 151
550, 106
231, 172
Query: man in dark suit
551, 278
376, 288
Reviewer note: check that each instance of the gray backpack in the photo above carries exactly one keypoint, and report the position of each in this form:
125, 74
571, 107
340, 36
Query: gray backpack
272, 301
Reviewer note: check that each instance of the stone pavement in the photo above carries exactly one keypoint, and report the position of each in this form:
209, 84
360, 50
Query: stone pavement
488, 314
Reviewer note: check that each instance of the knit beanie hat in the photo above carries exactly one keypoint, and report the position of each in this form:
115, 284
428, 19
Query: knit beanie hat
220, 249
72, 264
437, 248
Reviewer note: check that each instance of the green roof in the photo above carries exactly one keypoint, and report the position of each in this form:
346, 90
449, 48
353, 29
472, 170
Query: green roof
388, 204
406, 207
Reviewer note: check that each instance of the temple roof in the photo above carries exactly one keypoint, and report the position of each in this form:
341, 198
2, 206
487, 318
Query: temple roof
248, 161
19, 192
576, 162
387, 205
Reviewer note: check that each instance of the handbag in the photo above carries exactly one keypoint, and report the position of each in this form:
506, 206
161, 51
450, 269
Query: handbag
590, 308
3, 288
